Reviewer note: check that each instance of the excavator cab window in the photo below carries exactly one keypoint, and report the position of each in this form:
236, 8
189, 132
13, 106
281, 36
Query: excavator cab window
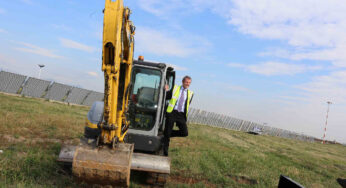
170, 77
144, 97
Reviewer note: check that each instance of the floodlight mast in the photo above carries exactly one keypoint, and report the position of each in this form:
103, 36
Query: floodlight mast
39, 73
325, 127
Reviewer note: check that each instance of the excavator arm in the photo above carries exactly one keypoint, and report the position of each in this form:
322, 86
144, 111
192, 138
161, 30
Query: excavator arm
109, 161
117, 57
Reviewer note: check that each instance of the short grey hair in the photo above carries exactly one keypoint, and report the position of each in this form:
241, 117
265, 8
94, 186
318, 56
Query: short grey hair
186, 77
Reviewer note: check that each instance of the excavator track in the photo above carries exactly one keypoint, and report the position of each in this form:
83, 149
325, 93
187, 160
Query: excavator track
157, 179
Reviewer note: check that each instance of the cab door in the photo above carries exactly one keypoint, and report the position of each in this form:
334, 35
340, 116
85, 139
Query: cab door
170, 80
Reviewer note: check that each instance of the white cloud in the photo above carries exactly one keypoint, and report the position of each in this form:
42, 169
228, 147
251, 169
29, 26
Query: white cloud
327, 87
156, 7
3, 31
315, 29
179, 68
335, 55
76, 45
30, 48
275, 68
301, 23
163, 44
91, 73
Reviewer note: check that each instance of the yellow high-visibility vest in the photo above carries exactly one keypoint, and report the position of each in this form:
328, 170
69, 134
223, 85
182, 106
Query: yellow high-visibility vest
175, 95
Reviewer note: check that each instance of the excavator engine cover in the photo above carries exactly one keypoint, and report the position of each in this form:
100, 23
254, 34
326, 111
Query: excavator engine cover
103, 165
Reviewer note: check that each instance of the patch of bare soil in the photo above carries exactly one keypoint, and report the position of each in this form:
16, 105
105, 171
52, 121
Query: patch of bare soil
243, 180
190, 181
316, 185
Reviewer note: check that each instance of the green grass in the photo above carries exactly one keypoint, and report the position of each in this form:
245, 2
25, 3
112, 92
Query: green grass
32, 131
221, 157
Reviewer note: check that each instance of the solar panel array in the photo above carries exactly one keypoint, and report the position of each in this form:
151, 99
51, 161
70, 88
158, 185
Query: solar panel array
92, 97
222, 121
11, 82
77, 95
57, 91
35, 87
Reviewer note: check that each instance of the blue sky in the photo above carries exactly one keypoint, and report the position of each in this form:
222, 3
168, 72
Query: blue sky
267, 61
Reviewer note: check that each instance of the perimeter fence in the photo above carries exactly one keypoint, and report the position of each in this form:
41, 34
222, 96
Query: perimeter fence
38, 88
202, 117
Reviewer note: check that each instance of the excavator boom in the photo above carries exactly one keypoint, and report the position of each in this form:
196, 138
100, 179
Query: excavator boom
109, 161
117, 59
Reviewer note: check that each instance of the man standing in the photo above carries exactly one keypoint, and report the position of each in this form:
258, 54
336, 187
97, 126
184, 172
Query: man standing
177, 111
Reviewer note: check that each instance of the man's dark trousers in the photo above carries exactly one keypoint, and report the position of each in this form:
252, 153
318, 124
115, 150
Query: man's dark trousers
180, 119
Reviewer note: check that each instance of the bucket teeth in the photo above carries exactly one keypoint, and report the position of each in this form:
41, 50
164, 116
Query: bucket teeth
103, 166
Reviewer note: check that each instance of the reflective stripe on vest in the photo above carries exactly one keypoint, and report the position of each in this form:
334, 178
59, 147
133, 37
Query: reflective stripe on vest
175, 95
189, 97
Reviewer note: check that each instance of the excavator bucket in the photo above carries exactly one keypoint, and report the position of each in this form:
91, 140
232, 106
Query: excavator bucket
103, 166
87, 159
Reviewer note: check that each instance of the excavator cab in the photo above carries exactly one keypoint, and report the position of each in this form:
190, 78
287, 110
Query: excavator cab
146, 107
145, 112
147, 104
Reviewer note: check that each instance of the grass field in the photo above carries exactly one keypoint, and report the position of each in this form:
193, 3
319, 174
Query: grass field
32, 131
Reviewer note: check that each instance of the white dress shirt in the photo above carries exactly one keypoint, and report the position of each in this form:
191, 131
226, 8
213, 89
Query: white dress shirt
182, 89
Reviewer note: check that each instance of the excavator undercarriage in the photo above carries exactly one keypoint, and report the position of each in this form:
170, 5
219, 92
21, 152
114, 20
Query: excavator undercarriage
95, 165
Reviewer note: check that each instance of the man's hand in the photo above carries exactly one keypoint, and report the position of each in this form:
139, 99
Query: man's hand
167, 87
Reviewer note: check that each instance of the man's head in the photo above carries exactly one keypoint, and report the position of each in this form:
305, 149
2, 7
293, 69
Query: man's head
186, 82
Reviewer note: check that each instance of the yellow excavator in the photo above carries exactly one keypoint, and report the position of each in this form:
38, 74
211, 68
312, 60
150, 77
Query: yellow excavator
125, 131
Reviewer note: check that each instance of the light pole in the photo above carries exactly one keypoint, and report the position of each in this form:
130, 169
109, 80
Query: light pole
39, 73
325, 127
